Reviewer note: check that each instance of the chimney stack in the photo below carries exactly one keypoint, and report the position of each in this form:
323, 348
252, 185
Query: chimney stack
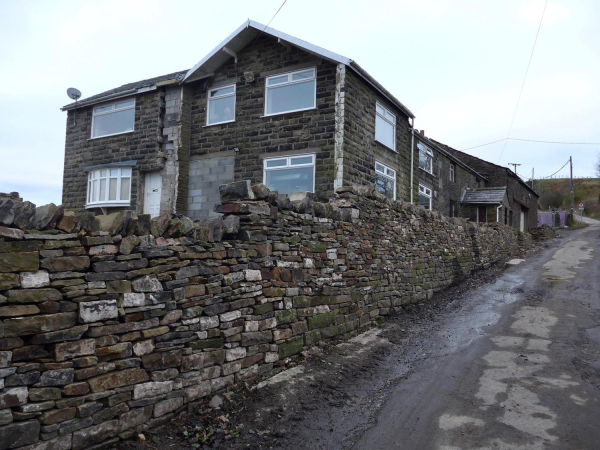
422, 132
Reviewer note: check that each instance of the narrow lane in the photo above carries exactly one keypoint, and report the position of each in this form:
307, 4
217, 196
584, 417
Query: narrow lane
528, 379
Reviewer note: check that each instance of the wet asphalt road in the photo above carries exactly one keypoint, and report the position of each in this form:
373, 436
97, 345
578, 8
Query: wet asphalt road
517, 369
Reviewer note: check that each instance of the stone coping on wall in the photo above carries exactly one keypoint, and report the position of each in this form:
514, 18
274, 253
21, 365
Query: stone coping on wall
110, 325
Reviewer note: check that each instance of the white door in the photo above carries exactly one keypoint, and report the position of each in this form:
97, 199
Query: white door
522, 227
152, 193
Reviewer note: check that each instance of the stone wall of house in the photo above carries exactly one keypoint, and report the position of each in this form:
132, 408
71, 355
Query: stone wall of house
142, 145
361, 150
257, 136
112, 324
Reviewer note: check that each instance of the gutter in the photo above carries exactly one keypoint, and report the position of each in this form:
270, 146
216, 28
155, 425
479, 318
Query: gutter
116, 95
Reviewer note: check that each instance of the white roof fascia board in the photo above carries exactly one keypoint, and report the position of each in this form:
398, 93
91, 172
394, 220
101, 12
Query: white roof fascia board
331, 56
116, 95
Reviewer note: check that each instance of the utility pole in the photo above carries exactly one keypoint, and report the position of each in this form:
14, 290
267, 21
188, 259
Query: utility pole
513, 164
572, 191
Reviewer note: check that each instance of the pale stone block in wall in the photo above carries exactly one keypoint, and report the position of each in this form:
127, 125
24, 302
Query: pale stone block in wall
34, 279
98, 310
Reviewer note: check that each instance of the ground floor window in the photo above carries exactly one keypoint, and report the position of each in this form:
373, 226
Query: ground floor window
424, 196
109, 186
290, 174
385, 180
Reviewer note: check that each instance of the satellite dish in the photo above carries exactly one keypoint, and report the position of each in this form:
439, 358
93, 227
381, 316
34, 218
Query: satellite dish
74, 93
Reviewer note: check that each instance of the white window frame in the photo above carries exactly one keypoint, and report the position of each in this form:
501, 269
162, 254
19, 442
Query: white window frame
95, 175
104, 105
385, 174
427, 192
208, 100
392, 123
424, 149
452, 172
288, 83
288, 166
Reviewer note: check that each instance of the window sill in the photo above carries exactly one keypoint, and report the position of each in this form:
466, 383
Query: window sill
289, 112
387, 146
110, 135
427, 172
108, 205
220, 123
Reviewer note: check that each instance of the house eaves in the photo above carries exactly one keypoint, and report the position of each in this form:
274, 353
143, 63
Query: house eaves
126, 90
250, 30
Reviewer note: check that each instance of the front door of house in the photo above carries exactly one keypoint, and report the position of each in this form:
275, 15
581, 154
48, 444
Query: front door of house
152, 192
522, 223
481, 214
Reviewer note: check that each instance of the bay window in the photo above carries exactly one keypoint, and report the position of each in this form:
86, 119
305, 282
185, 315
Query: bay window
290, 174
289, 92
109, 186
113, 118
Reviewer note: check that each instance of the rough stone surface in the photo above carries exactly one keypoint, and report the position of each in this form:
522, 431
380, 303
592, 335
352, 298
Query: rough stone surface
37, 279
98, 311
17, 434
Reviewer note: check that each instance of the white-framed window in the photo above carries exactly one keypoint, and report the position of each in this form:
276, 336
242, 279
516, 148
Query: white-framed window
385, 180
452, 169
425, 158
290, 92
113, 118
385, 126
290, 174
424, 196
110, 186
221, 105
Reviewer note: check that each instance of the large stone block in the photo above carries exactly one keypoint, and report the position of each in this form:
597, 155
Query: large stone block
17, 434
238, 190
66, 263
113, 380
166, 406
94, 434
18, 310
13, 397
58, 377
197, 391
37, 279
146, 283
22, 326
73, 349
19, 262
58, 443
135, 417
11, 233
34, 295
47, 216
9, 281
69, 334
24, 216
162, 360
98, 310
152, 389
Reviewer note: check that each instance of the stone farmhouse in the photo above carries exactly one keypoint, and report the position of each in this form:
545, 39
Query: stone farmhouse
270, 108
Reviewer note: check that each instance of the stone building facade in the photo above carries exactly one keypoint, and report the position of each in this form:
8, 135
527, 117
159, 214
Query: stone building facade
522, 199
262, 106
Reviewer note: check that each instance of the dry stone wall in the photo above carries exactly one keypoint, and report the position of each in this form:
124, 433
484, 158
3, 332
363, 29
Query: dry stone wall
112, 324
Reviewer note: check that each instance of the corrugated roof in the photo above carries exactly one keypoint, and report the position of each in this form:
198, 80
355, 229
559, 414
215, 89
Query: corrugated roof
125, 89
485, 196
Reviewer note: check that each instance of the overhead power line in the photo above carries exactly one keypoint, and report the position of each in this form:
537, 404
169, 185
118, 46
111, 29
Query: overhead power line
269, 22
523, 84
533, 140
550, 176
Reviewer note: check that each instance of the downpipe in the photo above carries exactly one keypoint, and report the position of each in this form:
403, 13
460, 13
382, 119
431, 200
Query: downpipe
412, 160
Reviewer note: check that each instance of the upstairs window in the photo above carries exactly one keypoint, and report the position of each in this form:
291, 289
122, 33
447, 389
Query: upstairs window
114, 118
291, 174
221, 105
109, 187
385, 127
385, 180
424, 196
452, 168
289, 92
425, 158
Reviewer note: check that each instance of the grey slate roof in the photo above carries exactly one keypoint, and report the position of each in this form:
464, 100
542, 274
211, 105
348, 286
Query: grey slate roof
150, 82
488, 196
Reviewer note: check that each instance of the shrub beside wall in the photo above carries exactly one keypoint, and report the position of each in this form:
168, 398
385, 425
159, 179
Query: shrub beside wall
111, 325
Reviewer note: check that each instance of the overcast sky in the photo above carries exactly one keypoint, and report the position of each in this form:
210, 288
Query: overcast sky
458, 65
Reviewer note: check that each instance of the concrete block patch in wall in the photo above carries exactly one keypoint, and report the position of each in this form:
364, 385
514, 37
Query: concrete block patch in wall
207, 173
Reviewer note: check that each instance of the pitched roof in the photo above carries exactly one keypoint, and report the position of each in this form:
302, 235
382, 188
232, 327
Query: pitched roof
126, 89
460, 154
495, 195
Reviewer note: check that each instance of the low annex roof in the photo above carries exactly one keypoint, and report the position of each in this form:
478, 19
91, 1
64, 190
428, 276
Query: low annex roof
126, 89
493, 196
